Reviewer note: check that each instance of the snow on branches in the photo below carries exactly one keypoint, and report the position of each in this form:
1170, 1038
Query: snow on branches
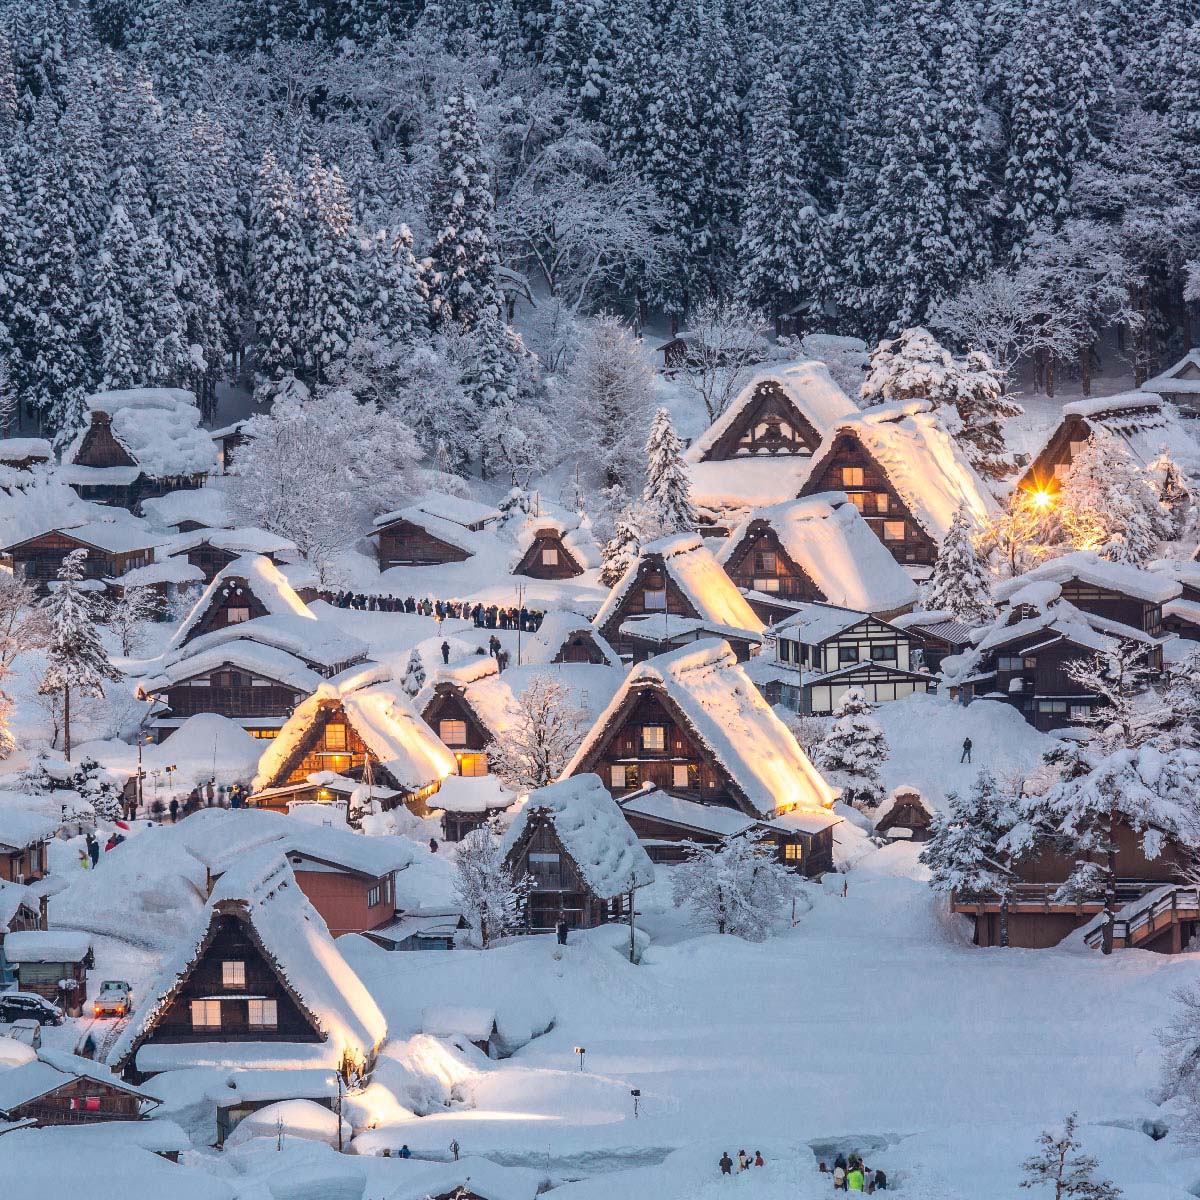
543, 732
959, 583
853, 751
491, 898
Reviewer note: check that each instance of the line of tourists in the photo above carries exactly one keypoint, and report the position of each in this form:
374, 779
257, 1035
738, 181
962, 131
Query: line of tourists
853, 1175
483, 616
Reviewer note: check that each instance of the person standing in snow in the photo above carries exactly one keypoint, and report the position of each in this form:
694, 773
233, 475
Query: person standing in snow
870, 1177
743, 1161
758, 1159
405, 1152
726, 1164
93, 849
446, 652
560, 928
854, 1179
966, 751
881, 1180
84, 861
174, 806
433, 845
839, 1178
454, 1149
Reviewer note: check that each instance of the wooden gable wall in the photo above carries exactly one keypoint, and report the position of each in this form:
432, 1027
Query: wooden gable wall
760, 557
565, 565
448, 704
330, 743
580, 647
234, 692
653, 576
222, 605
848, 466
100, 448
1045, 471
403, 543
769, 424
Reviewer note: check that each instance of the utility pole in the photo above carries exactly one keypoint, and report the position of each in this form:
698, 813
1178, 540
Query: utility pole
520, 622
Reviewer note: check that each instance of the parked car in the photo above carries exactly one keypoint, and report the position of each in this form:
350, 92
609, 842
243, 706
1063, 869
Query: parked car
114, 999
17, 1006
25, 1031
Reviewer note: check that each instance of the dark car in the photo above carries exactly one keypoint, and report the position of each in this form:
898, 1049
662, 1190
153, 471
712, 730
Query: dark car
21, 1006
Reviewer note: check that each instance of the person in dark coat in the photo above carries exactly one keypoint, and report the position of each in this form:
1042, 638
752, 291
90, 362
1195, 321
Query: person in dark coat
174, 807
494, 646
93, 849
445, 652
405, 1152
433, 845
965, 757
726, 1164
560, 928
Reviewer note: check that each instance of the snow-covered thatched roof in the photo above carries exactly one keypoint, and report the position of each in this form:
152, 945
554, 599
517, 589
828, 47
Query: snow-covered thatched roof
265, 661
159, 427
921, 461
725, 713
244, 540
262, 893
264, 580
904, 794
697, 574
382, 715
809, 388
175, 571
318, 642
593, 831
1179, 379
15, 450
204, 505
557, 628
1155, 587
442, 528
826, 536
574, 533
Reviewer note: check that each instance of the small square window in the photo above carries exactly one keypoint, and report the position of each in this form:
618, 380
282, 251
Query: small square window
881, 501
206, 1014
679, 775
654, 737
893, 531
847, 654
654, 599
852, 477
233, 974
373, 896
631, 778
766, 563
236, 614
768, 583
550, 556
263, 1014
793, 852
453, 733
335, 737
883, 653
617, 778
473, 766
858, 499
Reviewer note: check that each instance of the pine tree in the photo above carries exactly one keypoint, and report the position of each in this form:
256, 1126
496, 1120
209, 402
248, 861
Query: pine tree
1059, 1166
959, 583
620, 552
162, 36
460, 219
965, 852
115, 281
76, 661
778, 220
414, 674
332, 286
667, 498
579, 53
279, 267
397, 302
853, 751
12, 274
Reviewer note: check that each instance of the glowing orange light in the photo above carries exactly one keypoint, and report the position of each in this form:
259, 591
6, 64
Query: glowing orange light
1041, 499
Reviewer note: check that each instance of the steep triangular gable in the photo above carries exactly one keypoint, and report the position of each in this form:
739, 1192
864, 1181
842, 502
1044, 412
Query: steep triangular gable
449, 702
651, 574
100, 447
547, 538
1041, 474
234, 594
325, 713
769, 422
761, 536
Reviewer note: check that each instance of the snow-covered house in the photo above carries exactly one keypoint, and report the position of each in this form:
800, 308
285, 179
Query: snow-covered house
53, 963
212, 550
567, 637
585, 862
1024, 656
551, 548
139, 442
23, 454
905, 815
256, 685
904, 473
246, 589
227, 441
114, 548
1181, 613
822, 651
819, 548
675, 576
257, 982
24, 832
693, 724
1179, 384
21, 908
187, 510
758, 451
1142, 421
58, 1088
360, 725
437, 529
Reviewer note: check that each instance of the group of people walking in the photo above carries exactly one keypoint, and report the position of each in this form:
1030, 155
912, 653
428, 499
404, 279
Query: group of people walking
484, 616
744, 1162
853, 1175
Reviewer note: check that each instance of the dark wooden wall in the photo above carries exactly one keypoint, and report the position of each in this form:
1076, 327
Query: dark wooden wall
751, 560
531, 562
404, 544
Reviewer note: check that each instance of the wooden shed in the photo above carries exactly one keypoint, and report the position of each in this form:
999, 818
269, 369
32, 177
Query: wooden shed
57, 1088
905, 815
53, 963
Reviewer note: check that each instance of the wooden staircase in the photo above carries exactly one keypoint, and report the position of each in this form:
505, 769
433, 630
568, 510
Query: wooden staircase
1165, 922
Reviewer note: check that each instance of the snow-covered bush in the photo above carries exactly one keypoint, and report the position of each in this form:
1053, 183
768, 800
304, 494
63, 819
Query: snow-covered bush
492, 899
736, 887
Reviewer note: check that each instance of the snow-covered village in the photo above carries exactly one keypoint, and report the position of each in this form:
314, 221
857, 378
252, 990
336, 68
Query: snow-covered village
599, 600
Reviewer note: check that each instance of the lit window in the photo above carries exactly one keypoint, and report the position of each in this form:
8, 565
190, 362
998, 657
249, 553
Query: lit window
654, 599
453, 733
858, 499
550, 556
768, 584
473, 766
617, 777
793, 852
335, 737
372, 896
263, 1014
654, 737
679, 775
206, 1014
852, 477
881, 501
893, 531
233, 974
236, 615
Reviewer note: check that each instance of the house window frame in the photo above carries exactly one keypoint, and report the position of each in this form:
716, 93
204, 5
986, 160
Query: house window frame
233, 973
206, 1008
446, 732
267, 1011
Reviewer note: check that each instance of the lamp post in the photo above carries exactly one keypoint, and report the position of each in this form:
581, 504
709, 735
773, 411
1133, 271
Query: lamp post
581, 1051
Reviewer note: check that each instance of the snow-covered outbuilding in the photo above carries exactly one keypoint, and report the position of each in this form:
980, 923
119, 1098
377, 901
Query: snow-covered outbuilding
58, 1088
904, 473
257, 982
905, 815
113, 548
567, 637
819, 548
585, 862
23, 454
138, 442
553, 548
675, 576
46, 959
1142, 421
24, 832
1179, 384
822, 651
757, 452
357, 724
246, 589
693, 724
187, 510
411, 536
1181, 613
212, 550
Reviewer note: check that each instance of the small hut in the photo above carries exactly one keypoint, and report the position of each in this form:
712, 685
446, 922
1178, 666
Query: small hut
904, 816
53, 963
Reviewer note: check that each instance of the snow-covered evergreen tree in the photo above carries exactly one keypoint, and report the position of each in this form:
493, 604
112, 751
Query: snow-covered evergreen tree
491, 898
620, 551
853, 752
127, 616
667, 497
114, 282
1059, 1168
414, 674
1174, 495
736, 887
460, 218
579, 52
959, 582
543, 731
76, 663
397, 298
1120, 677
97, 789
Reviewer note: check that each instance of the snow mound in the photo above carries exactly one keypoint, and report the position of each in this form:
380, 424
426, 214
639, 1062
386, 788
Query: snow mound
291, 1118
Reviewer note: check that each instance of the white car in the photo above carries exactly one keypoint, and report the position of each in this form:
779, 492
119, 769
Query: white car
114, 999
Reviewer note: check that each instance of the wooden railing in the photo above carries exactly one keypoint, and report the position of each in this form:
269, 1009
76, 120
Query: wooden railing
1180, 903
